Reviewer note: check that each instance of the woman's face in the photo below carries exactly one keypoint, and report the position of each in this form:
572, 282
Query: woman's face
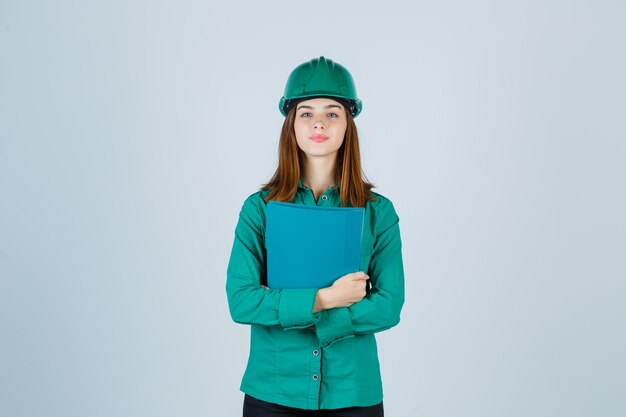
320, 126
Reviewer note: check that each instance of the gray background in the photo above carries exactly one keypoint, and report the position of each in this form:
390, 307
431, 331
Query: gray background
131, 133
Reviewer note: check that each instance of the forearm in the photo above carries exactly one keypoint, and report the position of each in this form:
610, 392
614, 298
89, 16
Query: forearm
248, 302
381, 309
323, 300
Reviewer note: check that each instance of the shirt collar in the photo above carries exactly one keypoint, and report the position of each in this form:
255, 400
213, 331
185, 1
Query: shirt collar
300, 185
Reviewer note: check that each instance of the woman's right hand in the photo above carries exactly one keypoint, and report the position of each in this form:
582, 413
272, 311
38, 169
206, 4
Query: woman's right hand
344, 292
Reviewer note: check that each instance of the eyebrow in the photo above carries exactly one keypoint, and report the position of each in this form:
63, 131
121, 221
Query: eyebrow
309, 107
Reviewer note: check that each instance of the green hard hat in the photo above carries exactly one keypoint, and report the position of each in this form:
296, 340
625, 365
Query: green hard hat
320, 77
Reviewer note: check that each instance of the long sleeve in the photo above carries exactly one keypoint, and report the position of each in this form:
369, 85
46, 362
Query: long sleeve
380, 310
248, 302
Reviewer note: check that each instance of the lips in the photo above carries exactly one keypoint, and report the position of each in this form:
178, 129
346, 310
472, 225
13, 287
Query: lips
319, 138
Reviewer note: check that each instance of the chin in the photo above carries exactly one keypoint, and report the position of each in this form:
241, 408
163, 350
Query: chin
320, 153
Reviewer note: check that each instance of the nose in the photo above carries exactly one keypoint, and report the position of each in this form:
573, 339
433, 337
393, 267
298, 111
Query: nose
318, 124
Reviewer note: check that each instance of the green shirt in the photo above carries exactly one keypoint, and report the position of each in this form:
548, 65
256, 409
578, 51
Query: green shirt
317, 360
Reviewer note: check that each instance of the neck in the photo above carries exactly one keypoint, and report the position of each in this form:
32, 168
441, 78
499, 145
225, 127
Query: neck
319, 174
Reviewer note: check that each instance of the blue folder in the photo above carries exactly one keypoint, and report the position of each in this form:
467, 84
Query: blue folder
311, 246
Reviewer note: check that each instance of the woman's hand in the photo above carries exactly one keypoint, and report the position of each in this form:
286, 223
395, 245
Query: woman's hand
344, 292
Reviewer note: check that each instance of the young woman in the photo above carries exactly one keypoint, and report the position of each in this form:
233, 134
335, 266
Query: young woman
315, 349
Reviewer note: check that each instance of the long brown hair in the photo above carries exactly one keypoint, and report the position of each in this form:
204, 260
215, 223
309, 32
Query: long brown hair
354, 188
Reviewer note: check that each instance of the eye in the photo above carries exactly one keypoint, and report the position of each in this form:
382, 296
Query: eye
332, 115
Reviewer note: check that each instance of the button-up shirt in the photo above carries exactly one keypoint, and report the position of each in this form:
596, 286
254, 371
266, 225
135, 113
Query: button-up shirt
322, 360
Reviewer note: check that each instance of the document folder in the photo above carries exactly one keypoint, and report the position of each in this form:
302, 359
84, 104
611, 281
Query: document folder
311, 246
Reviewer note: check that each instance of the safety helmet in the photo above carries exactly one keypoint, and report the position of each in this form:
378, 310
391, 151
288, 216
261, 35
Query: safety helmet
320, 77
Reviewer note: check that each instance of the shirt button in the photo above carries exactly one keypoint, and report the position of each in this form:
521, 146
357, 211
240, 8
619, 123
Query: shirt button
324, 197
316, 352
315, 377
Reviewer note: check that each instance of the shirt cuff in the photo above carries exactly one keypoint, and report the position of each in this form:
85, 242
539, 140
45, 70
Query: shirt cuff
295, 309
333, 325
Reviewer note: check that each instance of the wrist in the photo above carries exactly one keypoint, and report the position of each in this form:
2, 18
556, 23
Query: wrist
323, 300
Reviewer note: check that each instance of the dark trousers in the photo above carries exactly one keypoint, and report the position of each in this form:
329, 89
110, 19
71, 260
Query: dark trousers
253, 407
